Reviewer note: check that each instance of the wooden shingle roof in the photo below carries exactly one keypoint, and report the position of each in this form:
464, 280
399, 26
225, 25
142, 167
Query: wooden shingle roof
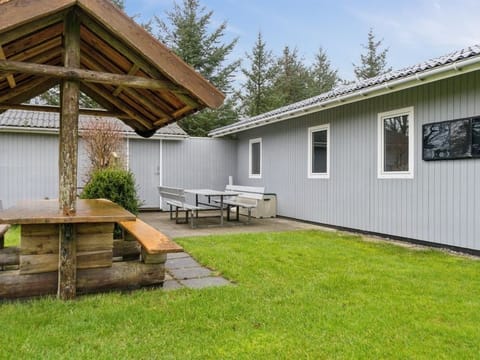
161, 90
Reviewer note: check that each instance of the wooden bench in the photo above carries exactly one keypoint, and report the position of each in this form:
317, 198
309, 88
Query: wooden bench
155, 245
247, 198
175, 199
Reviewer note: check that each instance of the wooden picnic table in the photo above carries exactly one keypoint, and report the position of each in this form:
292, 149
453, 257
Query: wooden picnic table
90, 228
48, 212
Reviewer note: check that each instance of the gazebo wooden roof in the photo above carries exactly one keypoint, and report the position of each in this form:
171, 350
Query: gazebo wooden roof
91, 46
122, 67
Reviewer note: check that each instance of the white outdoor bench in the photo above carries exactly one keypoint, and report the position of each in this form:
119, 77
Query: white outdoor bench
175, 199
247, 198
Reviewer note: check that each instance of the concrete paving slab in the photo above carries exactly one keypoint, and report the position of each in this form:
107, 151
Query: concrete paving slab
189, 273
177, 255
205, 282
186, 262
171, 285
210, 226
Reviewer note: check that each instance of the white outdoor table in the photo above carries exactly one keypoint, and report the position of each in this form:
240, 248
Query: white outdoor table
209, 194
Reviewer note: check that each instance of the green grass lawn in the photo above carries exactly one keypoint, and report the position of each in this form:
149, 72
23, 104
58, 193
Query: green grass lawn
297, 295
12, 237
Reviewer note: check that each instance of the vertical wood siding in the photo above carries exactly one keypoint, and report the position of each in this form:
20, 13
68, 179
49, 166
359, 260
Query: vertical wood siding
28, 167
199, 163
441, 204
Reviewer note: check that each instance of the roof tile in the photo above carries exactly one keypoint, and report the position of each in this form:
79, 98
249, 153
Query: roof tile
47, 120
342, 90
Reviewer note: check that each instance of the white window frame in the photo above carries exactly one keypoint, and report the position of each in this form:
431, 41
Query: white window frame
382, 174
250, 143
311, 130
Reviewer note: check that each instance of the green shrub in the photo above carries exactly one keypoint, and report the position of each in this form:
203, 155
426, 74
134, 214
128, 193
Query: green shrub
117, 185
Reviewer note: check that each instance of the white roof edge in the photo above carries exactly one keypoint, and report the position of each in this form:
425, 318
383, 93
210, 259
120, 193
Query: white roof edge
435, 74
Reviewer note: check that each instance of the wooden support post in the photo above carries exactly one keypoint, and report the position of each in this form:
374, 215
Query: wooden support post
10, 78
69, 96
67, 269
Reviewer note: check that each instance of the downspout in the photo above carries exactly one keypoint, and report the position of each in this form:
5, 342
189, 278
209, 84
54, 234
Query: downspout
128, 154
160, 170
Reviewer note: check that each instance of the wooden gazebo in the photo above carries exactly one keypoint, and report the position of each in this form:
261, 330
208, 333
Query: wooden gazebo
93, 47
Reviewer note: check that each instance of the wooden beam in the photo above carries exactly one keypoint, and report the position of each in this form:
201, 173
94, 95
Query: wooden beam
115, 101
69, 73
131, 72
10, 78
127, 52
68, 160
29, 25
54, 44
108, 47
122, 275
138, 41
146, 103
27, 90
33, 40
56, 109
145, 66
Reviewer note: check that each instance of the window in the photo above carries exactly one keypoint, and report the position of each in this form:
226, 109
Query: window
395, 144
255, 159
319, 152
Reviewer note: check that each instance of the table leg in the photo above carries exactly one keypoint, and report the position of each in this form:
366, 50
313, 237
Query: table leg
221, 210
196, 204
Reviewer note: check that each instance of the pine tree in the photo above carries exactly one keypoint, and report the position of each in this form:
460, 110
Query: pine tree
119, 3
324, 77
258, 93
188, 34
374, 62
293, 80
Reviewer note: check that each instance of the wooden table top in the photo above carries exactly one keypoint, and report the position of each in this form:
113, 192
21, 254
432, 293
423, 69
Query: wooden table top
48, 212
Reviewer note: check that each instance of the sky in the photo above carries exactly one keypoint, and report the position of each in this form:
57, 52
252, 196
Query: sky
412, 30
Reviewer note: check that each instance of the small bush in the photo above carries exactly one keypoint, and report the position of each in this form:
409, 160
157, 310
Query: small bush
117, 185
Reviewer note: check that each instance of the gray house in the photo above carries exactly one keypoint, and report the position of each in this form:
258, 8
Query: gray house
29, 158
397, 155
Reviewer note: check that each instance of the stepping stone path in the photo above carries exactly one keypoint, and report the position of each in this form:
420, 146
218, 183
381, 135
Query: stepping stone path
183, 271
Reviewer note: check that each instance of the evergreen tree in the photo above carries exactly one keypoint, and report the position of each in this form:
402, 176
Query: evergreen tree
119, 3
324, 77
293, 80
188, 34
373, 62
258, 92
